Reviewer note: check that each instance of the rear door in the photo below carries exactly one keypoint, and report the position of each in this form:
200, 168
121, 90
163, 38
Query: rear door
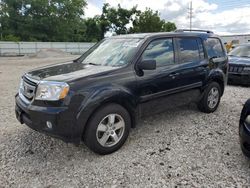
193, 66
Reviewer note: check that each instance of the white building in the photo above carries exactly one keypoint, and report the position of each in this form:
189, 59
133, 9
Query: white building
236, 39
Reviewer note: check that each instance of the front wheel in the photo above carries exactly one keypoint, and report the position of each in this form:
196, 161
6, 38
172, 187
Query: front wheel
107, 129
211, 98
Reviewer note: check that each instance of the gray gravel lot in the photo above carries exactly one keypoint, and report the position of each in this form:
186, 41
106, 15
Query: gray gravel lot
182, 147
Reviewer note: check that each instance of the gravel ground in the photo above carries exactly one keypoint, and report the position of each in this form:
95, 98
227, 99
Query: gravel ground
182, 147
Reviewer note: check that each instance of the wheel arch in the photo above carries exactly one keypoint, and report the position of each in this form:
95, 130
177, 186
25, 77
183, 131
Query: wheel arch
125, 102
218, 76
124, 99
220, 82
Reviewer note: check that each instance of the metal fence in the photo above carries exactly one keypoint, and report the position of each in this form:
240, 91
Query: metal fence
24, 48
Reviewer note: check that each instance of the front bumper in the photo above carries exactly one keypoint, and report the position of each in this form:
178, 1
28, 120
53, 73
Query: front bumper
62, 118
244, 130
239, 78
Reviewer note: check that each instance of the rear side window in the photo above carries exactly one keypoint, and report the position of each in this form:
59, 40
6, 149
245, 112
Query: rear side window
214, 48
189, 50
160, 50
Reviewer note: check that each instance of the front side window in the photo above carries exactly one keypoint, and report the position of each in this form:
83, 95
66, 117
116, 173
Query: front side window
160, 50
116, 52
189, 50
214, 48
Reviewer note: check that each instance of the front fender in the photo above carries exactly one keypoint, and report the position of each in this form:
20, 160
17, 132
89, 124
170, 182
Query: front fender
103, 96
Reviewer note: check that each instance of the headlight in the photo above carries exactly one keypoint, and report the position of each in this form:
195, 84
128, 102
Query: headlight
51, 91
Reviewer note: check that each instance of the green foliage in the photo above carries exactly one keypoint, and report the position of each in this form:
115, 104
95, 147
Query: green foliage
44, 20
168, 26
150, 21
62, 20
11, 38
116, 19
92, 32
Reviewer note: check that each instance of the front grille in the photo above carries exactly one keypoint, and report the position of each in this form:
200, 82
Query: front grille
28, 88
235, 68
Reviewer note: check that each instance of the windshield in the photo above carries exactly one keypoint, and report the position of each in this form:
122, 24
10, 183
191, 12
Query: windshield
111, 52
240, 51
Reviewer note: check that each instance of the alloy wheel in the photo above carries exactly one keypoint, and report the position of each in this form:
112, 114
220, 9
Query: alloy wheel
110, 130
213, 97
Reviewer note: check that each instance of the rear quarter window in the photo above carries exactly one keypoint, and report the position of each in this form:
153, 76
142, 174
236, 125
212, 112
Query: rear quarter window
214, 48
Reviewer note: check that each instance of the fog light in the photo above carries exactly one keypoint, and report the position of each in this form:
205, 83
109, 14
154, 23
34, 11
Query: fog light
49, 124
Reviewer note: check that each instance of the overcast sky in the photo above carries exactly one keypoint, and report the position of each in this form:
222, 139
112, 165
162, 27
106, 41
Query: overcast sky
221, 16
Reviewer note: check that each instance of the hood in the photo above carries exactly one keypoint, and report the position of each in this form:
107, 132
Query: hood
239, 60
67, 71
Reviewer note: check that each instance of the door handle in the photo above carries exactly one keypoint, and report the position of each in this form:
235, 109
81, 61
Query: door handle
174, 75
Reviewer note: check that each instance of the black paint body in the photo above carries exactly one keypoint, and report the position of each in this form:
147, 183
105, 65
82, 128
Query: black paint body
236, 74
141, 92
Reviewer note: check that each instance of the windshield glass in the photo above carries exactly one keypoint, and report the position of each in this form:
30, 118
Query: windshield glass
111, 52
240, 51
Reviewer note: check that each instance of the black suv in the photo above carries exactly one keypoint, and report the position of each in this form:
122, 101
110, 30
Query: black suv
98, 97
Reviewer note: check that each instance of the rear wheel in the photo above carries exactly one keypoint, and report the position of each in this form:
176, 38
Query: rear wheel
107, 129
211, 98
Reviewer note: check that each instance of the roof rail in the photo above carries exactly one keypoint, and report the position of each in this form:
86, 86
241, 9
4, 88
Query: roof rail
190, 30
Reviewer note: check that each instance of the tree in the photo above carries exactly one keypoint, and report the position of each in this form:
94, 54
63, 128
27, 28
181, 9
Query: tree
168, 26
104, 22
150, 21
62, 20
9, 18
92, 32
43, 20
116, 19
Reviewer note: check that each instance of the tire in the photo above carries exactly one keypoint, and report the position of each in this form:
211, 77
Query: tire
102, 134
205, 105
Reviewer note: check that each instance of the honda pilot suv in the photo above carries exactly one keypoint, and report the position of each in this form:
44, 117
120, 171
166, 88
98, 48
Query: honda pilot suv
98, 97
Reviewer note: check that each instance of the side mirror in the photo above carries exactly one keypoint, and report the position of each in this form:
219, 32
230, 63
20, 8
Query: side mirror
218, 59
147, 65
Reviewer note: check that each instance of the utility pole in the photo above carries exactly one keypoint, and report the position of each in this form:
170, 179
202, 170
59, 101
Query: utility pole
190, 15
